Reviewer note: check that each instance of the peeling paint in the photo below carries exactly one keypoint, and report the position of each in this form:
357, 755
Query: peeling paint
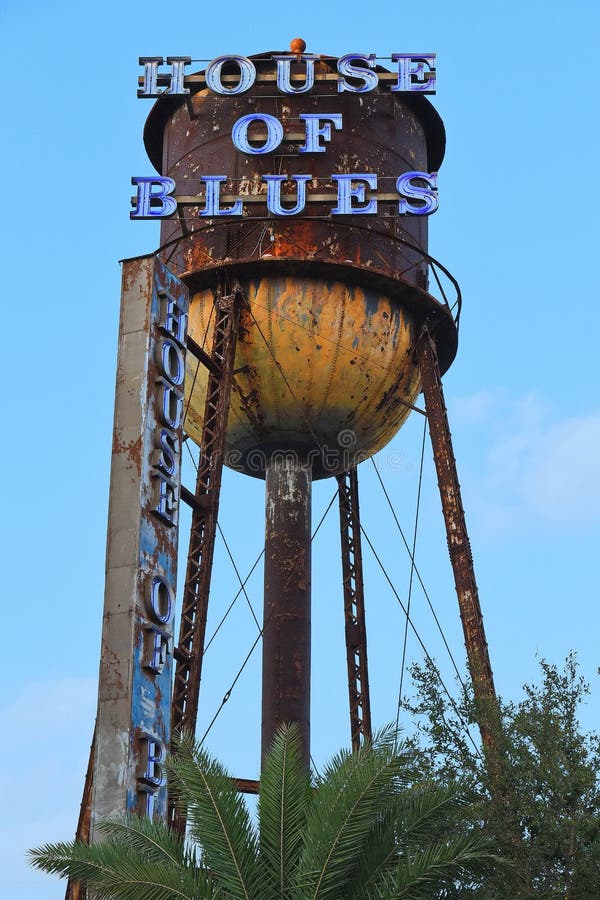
134, 690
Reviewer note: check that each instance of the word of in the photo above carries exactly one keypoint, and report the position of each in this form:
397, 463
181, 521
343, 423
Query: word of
160, 604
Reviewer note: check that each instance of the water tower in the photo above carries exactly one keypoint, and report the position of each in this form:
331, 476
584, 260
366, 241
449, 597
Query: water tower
294, 193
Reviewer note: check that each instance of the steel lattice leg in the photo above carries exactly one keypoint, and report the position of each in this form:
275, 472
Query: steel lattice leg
205, 505
354, 609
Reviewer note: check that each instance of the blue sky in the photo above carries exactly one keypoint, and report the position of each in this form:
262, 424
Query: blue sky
516, 225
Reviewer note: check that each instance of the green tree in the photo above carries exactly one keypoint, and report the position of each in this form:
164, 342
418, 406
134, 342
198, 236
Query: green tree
553, 772
364, 829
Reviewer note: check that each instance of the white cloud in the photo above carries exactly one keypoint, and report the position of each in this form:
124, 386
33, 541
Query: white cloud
564, 478
532, 468
474, 408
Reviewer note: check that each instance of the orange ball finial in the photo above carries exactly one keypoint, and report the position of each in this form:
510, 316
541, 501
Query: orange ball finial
297, 45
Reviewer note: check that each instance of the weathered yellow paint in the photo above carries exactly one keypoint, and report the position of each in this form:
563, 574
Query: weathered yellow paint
319, 360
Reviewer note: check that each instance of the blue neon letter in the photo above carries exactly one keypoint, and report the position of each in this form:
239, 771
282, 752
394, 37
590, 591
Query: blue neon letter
284, 81
213, 195
314, 132
239, 133
178, 64
347, 191
213, 74
150, 64
427, 195
366, 75
274, 183
422, 67
147, 198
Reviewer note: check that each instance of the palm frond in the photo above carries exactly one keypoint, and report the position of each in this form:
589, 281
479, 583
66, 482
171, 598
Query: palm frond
378, 854
282, 810
428, 807
218, 819
114, 872
369, 830
353, 799
431, 831
422, 874
153, 839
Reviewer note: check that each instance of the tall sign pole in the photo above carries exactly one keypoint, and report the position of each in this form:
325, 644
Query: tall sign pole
133, 722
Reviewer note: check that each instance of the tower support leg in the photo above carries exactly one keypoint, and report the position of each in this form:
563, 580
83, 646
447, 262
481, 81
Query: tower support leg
354, 609
205, 506
486, 702
286, 624
459, 548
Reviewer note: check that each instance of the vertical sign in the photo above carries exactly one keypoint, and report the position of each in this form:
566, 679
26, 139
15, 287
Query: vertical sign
132, 733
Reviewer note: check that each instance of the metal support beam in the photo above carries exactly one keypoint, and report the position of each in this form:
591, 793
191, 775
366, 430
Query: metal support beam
205, 505
354, 609
286, 624
459, 548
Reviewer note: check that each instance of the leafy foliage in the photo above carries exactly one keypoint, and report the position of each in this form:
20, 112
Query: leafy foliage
371, 828
552, 768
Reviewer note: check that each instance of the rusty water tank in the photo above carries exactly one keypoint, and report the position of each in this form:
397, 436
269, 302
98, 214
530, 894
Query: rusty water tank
325, 364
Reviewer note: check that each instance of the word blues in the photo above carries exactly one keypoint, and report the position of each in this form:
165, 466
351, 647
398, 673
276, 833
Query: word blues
294, 74
416, 195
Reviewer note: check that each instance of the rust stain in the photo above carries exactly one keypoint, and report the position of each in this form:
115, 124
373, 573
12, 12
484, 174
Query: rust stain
132, 449
314, 358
